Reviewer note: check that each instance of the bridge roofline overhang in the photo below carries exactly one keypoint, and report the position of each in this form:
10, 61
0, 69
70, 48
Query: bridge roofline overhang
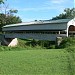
42, 22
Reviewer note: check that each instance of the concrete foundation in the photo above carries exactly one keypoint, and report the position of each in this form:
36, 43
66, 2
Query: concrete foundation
13, 43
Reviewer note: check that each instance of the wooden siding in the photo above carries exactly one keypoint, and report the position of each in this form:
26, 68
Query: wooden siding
51, 37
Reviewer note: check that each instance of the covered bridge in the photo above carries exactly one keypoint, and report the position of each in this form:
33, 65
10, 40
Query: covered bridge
41, 30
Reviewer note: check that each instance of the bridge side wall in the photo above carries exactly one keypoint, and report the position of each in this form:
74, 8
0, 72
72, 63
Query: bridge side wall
51, 37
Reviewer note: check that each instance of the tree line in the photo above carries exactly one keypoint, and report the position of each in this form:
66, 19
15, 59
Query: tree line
68, 13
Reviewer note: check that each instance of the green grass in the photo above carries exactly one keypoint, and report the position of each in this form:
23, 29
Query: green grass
36, 62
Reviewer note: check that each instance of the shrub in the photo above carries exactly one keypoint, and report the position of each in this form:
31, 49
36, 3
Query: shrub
36, 43
67, 42
70, 49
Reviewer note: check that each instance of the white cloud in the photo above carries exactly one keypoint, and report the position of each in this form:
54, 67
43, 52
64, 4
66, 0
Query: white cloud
41, 8
57, 1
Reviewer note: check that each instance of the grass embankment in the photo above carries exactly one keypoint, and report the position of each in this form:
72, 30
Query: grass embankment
36, 62
66, 43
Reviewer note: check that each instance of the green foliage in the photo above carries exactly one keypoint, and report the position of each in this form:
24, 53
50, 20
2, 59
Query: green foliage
21, 43
68, 13
2, 21
13, 19
11, 12
1, 1
68, 42
71, 49
8, 17
36, 43
32, 43
27, 44
46, 44
5, 48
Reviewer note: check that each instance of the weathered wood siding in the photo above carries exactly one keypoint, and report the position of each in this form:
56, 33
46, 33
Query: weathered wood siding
51, 37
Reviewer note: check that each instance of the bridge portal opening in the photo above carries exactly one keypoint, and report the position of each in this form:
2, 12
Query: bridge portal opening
71, 31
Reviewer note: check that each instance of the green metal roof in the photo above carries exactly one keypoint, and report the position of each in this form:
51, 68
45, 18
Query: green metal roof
39, 22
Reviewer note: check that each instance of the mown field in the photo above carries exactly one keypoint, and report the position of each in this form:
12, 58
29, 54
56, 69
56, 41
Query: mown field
37, 62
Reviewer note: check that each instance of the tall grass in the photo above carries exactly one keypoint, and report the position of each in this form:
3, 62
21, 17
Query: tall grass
36, 44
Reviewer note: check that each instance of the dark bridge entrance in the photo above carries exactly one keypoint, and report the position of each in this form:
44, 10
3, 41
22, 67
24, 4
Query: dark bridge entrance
71, 30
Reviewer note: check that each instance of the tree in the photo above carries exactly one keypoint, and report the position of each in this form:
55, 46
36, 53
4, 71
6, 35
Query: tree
1, 1
6, 20
67, 14
12, 19
2, 21
8, 17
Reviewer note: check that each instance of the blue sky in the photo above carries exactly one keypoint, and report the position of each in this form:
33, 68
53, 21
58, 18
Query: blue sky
30, 10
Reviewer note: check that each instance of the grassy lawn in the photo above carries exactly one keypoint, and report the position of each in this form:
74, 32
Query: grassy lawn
36, 62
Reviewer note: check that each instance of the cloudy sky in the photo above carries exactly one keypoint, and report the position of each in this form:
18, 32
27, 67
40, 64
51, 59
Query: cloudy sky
30, 10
